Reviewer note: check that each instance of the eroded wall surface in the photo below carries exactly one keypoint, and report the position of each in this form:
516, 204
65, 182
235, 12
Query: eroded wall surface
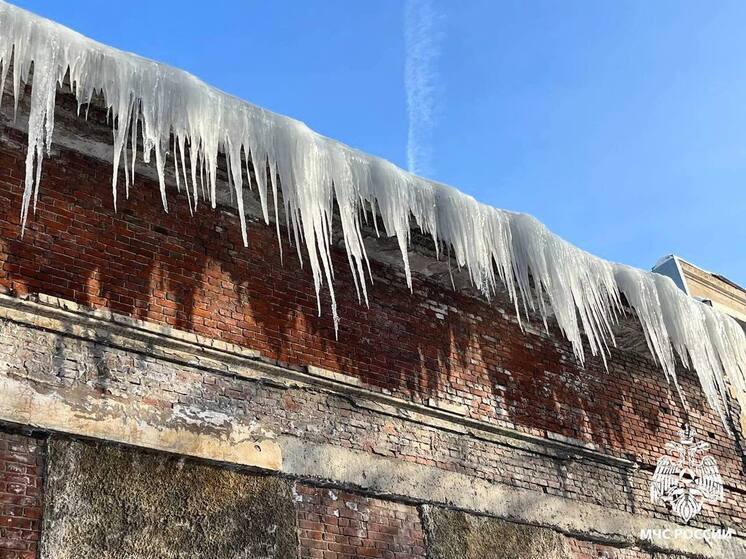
105, 502
364, 468
457, 534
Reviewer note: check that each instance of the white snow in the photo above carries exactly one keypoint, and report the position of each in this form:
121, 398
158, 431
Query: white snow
185, 123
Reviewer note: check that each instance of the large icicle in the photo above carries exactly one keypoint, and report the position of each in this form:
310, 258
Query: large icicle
170, 107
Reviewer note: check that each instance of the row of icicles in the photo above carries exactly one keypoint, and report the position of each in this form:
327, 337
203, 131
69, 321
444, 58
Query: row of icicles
177, 113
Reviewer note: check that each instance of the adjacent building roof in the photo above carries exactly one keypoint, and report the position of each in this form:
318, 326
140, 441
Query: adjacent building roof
712, 289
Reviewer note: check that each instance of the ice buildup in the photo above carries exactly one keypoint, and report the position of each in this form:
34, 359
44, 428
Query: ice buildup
186, 123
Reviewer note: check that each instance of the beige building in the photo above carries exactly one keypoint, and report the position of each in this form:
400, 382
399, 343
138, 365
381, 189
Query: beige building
713, 289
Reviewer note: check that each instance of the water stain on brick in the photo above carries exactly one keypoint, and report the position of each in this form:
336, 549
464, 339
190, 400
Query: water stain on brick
106, 502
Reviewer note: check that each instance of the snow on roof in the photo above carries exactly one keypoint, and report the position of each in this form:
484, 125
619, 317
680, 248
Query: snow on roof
186, 123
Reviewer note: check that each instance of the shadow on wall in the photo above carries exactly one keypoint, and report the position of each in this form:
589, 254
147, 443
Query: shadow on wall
193, 273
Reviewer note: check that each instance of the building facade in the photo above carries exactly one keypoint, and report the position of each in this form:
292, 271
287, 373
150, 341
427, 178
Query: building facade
713, 289
166, 392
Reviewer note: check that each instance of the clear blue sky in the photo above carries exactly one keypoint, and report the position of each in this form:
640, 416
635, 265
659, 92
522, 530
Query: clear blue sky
621, 125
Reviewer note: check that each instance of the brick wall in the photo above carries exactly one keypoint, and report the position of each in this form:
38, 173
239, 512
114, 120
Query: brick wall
330, 524
79, 371
432, 345
21, 464
341, 525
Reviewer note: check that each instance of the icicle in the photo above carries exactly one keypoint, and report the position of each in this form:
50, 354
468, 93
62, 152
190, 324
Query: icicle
180, 146
176, 168
121, 124
540, 271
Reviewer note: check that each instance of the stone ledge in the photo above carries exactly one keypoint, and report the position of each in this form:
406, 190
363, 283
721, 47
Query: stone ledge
89, 414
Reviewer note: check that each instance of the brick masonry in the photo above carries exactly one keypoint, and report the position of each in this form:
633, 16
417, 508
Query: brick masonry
342, 525
330, 524
79, 371
75, 369
21, 466
431, 346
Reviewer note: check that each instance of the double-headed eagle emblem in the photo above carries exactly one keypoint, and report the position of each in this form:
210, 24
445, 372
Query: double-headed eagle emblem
686, 482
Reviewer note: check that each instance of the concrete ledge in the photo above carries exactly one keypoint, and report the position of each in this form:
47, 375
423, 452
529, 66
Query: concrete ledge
89, 414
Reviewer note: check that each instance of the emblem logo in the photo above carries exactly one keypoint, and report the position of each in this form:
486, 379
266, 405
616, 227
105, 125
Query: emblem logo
685, 482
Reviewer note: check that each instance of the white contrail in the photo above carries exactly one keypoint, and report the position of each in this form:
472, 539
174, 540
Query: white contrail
422, 47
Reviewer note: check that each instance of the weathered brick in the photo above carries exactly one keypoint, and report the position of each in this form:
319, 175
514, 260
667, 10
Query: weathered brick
431, 346
20, 498
386, 536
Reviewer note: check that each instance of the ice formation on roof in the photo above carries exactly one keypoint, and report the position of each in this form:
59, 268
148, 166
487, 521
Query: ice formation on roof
181, 117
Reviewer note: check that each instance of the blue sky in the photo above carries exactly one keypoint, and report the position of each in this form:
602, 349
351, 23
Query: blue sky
621, 125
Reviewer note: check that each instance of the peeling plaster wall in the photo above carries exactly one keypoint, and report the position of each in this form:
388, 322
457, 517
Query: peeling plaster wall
106, 502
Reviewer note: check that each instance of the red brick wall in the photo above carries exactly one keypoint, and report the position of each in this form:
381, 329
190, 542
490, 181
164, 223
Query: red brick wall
341, 525
194, 274
21, 463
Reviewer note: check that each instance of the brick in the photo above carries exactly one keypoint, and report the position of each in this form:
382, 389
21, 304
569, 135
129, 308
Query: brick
367, 538
20, 501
